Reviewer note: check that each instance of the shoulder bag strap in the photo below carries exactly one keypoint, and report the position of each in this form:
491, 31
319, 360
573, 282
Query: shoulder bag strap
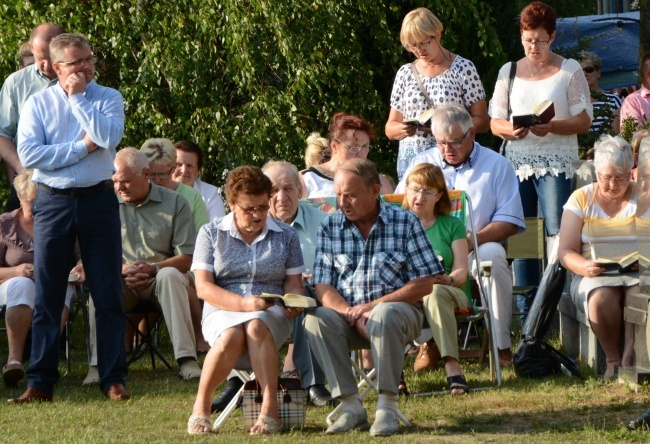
511, 78
424, 91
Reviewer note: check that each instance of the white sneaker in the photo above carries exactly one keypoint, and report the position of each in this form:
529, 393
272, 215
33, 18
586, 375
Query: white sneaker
92, 378
386, 424
349, 420
190, 370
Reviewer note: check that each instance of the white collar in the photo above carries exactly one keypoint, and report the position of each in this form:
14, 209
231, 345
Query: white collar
227, 223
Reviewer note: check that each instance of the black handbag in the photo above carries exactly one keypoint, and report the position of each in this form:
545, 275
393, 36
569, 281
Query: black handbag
538, 359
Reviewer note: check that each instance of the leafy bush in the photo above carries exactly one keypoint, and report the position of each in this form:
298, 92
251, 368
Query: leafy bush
249, 80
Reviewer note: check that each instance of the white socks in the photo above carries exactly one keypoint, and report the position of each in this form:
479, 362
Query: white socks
388, 402
353, 403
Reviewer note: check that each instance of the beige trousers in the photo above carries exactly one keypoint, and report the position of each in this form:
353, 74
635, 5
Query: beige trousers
439, 311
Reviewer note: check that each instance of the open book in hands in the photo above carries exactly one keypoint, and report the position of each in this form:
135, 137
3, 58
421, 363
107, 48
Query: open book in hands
423, 120
290, 300
542, 113
619, 265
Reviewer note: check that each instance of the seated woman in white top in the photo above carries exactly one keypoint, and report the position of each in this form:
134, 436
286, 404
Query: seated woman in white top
350, 137
189, 161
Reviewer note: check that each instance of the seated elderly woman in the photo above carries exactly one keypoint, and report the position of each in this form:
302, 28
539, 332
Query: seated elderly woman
599, 222
161, 154
17, 290
236, 258
318, 150
427, 198
350, 138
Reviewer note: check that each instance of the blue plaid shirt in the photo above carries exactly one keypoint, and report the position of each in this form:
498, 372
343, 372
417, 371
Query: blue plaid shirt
397, 251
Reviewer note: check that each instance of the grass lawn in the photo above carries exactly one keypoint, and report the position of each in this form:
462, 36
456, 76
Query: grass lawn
558, 409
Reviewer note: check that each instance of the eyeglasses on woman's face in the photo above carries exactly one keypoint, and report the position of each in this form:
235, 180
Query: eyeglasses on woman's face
425, 192
619, 180
251, 211
420, 46
589, 69
355, 149
162, 175
539, 43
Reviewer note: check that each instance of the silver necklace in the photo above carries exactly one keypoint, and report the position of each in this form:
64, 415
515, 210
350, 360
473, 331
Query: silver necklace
530, 68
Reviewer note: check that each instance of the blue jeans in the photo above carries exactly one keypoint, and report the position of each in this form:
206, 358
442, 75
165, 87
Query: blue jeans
59, 221
551, 192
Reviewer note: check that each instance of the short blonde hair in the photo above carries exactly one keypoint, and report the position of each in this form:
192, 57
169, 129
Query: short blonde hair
23, 184
318, 150
159, 151
419, 25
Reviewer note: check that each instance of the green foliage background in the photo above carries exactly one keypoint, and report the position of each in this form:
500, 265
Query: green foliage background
249, 80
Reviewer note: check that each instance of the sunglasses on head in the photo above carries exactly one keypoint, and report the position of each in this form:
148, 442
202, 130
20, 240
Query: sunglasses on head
589, 69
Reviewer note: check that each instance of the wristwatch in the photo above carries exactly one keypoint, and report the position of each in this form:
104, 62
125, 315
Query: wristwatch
157, 268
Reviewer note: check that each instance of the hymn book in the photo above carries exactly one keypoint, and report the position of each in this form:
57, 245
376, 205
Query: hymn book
290, 300
423, 120
542, 113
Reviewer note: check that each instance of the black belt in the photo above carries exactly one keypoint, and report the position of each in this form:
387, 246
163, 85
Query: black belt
78, 192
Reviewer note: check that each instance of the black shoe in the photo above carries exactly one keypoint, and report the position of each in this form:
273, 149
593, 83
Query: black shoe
319, 396
220, 403
641, 422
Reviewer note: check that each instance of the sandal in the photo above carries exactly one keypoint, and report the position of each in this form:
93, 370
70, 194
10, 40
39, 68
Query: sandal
402, 389
267, 425
197, 423
459, 383
290, 374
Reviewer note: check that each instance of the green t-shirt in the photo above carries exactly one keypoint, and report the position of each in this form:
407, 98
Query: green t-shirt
199, 210
446, 230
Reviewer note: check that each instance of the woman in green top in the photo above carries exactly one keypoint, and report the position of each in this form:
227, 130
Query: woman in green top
427, 198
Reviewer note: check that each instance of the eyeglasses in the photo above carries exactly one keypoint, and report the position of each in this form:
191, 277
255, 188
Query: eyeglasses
456, 144
619, 180
419, 46
79, 62
539, 43
161, 175
589, 69
250, 211
424, 192
355, 149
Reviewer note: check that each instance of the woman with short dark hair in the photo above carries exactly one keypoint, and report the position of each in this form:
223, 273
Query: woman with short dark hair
237, 258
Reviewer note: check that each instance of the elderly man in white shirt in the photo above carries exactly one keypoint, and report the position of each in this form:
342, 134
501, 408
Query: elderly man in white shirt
491, 184
189, 162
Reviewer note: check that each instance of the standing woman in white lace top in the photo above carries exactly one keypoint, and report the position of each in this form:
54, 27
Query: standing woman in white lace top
446, 77
541, 155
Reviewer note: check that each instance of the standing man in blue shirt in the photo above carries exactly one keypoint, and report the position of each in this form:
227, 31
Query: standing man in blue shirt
374, 263
68, 134
19, 87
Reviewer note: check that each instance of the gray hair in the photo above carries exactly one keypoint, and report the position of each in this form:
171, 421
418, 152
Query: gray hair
62, 41
592, 58
132, 159
285, 166
448, 115
613, 151
363, 168
644, 152
159, 151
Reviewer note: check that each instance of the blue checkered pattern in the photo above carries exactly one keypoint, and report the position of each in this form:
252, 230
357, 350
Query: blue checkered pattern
396, 252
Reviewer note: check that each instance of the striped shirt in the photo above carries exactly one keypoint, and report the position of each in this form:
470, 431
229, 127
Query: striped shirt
362, 270
611, 237
603, 110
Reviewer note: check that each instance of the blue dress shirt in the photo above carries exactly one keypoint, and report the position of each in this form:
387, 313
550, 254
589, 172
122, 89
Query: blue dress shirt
51, 131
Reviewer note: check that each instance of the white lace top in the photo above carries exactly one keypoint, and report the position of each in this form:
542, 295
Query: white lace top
553, 153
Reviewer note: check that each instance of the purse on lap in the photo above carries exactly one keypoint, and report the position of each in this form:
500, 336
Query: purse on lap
292, 402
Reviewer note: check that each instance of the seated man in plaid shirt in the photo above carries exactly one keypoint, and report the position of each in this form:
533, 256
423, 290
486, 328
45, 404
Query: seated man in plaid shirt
373, 265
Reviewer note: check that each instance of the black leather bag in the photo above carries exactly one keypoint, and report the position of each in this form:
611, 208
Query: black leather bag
537, 359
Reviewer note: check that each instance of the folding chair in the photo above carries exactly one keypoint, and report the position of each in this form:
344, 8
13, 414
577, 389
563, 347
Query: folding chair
531, 244
232, 405
461, 207
146, 340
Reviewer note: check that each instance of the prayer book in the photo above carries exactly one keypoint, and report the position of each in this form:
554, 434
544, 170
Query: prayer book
423, 119
290, 300
620, 265
542, 113
73, 277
